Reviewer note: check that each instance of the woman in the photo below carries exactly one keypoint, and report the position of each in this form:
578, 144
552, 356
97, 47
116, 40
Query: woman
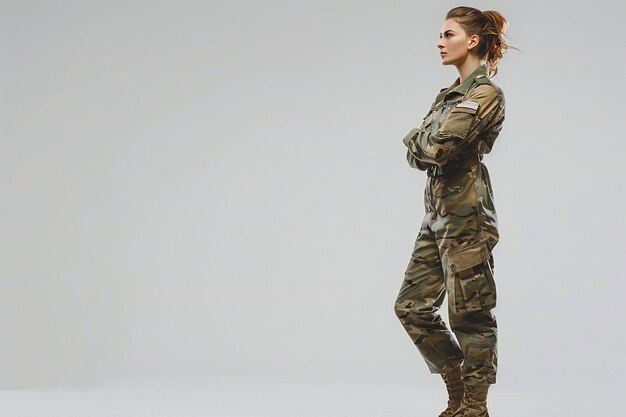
453, 250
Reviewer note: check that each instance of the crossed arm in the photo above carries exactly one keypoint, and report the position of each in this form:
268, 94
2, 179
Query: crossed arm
464, 122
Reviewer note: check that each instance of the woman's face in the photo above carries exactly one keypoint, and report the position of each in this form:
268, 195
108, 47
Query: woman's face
454, 44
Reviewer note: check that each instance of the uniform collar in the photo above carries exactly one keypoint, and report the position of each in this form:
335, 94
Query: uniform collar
461, 88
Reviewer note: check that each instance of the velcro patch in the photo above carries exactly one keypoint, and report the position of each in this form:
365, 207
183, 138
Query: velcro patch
468, 104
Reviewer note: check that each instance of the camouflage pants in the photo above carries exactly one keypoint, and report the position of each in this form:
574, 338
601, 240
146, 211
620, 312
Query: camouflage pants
452, 255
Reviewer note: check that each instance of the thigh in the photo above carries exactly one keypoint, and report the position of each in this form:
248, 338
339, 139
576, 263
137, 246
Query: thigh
423, 286
466, 230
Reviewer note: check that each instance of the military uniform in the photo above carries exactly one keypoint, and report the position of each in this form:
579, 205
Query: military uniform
453, 249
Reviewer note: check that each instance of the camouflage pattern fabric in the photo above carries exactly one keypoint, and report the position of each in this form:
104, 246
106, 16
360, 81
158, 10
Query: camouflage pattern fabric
453, 251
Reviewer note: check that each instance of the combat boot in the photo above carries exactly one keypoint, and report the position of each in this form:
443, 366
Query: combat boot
474, 403
454, 384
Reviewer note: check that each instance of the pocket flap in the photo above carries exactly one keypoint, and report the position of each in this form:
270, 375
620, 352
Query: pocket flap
467, 255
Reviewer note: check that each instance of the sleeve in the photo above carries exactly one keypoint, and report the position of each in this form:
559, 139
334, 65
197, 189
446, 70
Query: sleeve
463, 123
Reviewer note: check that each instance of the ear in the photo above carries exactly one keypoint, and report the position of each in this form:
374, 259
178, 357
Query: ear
473, 41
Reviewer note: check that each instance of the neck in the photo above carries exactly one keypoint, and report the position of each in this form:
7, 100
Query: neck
467, 67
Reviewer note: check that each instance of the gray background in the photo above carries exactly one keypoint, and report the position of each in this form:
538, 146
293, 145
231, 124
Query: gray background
216, 194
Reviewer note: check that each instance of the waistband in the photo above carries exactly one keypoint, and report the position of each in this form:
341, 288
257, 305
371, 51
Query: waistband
452, 167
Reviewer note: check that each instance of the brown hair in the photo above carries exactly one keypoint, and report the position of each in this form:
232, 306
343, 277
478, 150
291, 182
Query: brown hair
489, 26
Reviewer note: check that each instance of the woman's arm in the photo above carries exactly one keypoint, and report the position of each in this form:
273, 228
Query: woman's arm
464, 122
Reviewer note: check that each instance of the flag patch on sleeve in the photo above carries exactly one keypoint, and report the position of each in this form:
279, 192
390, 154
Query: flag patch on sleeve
468, 104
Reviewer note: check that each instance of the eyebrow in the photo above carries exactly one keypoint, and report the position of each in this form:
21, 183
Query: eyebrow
449, 30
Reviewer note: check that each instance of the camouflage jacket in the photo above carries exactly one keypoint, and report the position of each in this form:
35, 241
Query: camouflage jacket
464, 119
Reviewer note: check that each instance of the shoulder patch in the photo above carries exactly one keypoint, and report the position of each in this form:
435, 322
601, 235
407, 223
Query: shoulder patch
468, 104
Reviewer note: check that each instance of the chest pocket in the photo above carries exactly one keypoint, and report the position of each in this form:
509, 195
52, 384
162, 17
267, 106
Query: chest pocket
438, 114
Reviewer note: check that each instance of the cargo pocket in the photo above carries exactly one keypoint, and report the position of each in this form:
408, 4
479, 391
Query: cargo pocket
472, 283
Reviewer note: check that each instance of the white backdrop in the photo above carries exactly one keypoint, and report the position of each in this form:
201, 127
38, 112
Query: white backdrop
205, 189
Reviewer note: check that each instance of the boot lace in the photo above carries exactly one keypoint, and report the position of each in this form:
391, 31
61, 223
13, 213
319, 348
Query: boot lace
452, 404
469, 400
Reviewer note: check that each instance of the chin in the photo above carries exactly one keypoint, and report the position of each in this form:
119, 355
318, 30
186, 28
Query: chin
446, 60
